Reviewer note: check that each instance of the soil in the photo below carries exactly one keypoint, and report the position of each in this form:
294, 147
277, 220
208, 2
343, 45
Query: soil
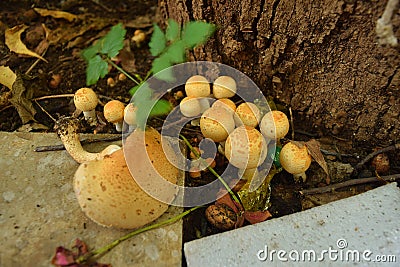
64, 59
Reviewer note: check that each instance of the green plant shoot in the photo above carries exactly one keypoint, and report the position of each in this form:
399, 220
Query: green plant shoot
167, 47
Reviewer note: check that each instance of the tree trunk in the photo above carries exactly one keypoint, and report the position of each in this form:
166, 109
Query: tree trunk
321, 58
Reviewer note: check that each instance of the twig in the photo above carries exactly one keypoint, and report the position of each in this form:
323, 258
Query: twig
330, 188
85, 141
337, 154
373, 154
36, 62
291, 122
65, 95
45, 111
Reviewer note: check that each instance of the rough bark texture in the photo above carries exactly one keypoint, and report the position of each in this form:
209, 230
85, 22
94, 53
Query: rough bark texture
321, 58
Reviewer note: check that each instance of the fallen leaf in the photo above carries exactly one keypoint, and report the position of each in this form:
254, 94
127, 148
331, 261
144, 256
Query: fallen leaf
21, 102
56, 14
14, 43
7, 76
256, 216
68, 258
314, 150
32, 127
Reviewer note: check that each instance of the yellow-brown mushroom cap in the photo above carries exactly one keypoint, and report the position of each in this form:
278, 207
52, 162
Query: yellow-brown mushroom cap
85, 99
224, 87
247, 114
197, 86
225, 103
295, 160
108, 194
274, 124
245, 147
216, 123
114, 111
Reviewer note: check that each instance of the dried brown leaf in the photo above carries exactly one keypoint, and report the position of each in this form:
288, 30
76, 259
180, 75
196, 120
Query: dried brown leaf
56, 14
7, 76
314, 150
14, 43
21, 102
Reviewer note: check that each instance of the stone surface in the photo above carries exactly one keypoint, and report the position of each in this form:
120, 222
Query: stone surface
39, 212
366, 222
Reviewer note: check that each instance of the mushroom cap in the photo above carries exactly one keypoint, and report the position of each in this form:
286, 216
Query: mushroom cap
274, 124
114, 111
248, 114
216, 124
190, 106
225, 103
108, 194
224, 87
245, 147
294, 160
85, 99
197, 86
130, 114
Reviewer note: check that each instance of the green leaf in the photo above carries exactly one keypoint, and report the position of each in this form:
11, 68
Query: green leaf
91, 52
176, 52
133, 90
161, 107
113, 42
173, 30
96, 68
158, 41
161, 63
196, 33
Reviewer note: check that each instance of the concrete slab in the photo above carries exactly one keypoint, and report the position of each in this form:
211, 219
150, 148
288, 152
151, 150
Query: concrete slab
366, 225
38, 211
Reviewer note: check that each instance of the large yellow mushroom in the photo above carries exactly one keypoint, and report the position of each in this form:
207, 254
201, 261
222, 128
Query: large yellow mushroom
110, 196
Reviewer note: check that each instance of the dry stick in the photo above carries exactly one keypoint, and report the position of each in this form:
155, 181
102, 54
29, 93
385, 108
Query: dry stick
36, 62
373, 154
85, 141
330, 188
291, 122
65, 95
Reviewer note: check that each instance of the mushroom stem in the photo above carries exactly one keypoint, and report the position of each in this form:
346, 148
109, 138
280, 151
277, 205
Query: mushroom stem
67, 130
298, 176
118, 126
91, 117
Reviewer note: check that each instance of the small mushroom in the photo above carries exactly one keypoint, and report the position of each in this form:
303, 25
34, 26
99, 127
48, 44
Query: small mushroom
216, 124
274, 125
197, 86
114, 113
224, 87
67, 130
247, 114
295, 160
85, 99
225, 103
190, 106
130, 116
109, 195
245, 147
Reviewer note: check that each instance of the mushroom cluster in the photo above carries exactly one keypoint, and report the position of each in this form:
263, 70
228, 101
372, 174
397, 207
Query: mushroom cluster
243, 133
234, 128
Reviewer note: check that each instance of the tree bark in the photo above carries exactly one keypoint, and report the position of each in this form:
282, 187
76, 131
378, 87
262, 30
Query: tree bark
321, 58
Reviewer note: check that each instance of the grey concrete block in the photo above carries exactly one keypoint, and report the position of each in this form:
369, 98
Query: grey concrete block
38, 211
367, 223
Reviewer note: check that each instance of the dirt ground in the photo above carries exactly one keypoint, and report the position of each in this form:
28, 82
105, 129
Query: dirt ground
67, 39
